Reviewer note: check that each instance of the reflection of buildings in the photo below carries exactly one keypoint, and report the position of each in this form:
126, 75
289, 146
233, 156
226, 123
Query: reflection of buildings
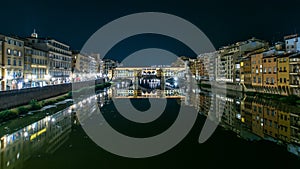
43, 136
212, 105
272, 121
255, 119
139, 93
295, 127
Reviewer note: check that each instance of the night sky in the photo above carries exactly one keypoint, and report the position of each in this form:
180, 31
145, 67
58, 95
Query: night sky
224, 22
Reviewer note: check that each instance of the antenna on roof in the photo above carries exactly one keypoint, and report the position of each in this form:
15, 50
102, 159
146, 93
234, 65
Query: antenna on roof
34, 34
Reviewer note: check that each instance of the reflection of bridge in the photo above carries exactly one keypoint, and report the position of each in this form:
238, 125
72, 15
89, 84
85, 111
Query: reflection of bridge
129, 93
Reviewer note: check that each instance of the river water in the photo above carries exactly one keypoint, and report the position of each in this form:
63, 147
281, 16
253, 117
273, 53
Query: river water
252, 133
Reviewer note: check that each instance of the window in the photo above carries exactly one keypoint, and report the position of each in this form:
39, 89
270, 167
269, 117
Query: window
8, 61
19, 53
15, 62
275, 69
259, 79
284, 80
284, 69
254, 79
280, 80
274, 59
15, 52
8, 51
272, 80
267, 80
20, 62
265, 70
270, 70
273, 113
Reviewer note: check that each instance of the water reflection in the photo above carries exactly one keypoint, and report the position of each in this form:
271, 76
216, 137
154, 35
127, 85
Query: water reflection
44, 136
255, 119
250, 118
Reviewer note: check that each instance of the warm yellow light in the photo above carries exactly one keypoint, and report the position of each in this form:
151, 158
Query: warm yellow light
33, 136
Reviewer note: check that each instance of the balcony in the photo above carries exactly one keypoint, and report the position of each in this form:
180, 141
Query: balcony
295, 83
295, 62
295, 72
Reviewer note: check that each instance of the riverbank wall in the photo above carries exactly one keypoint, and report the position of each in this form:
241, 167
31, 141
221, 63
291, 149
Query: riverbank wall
14, 98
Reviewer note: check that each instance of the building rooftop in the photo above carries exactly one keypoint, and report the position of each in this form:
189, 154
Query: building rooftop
295, 55
290, 36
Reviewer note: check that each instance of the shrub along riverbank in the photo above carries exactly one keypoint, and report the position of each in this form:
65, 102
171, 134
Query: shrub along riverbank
35, 105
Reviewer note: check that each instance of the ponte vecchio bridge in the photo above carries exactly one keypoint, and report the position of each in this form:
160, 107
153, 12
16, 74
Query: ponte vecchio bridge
170, 82
150, 77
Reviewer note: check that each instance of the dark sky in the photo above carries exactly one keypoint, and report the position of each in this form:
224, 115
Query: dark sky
223, 21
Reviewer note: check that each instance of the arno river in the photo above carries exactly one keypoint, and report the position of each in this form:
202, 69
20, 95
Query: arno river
252, 133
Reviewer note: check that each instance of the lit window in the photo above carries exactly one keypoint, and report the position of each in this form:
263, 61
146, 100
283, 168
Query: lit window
15, 52
8, 51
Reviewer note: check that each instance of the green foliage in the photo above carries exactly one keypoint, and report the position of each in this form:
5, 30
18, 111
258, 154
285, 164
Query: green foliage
69, 94
22, 110
7, 115
35, 105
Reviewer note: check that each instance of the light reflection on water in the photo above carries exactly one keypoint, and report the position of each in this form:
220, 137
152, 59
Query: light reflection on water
251, 119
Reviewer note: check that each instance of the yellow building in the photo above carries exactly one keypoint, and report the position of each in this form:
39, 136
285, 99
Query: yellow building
12, 62
257, 119
256, 70
270, 74
60, 57
36, 67
80, 62
284, 129
283, 76
270, 121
